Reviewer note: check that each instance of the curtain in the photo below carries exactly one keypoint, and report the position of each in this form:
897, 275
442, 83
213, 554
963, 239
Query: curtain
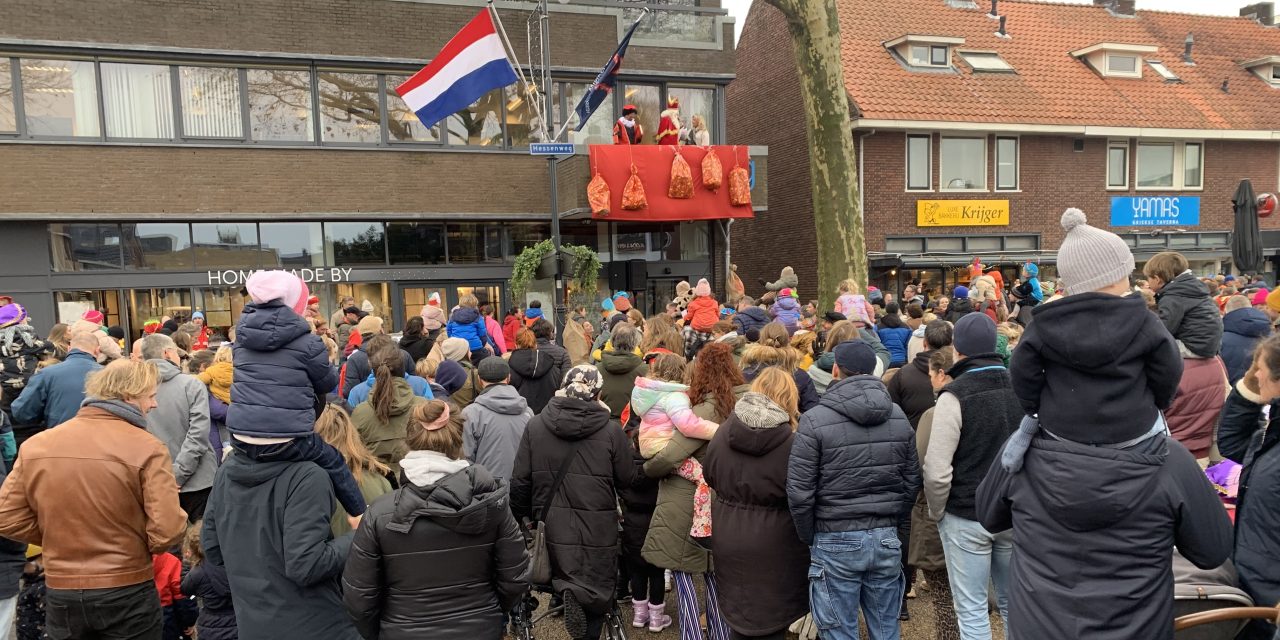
210, 103
138, 100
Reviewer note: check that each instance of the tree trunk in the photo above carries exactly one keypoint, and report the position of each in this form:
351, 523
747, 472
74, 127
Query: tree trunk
815, 40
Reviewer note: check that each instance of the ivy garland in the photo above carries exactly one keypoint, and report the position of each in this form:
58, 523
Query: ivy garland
524, 270
586, 269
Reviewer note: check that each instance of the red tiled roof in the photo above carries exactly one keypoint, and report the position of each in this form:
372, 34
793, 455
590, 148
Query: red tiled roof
1050, 86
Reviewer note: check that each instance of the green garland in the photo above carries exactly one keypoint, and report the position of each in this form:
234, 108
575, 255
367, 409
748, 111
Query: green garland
525, 268
586, 271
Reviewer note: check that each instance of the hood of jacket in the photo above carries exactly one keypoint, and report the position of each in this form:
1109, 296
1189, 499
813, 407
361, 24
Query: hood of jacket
222, 373
1087, 488
425, 468
1247, 322
402, 396
1110, 322
787, 303
251, 473
469, 501
1184, 286
465, 315
269, 326
649, 392
502, 398
826, 361
861, 399
408, 341
755, 313
574, 419
921, 362
531, 363
960, 305
618, 363
757, 426
167, 370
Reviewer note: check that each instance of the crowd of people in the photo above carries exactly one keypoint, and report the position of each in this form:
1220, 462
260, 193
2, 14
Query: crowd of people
1043, 450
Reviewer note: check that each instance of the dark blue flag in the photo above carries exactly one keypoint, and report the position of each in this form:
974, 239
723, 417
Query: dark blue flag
603, 86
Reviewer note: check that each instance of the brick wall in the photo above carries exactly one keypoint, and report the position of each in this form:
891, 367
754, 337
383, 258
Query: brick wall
69, 179
1054, 177
764, 107
361, 28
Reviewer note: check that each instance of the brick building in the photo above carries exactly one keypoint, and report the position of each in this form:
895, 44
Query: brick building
975, 131
155, 152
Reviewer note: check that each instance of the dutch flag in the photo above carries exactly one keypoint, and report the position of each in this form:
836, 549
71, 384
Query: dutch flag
472, 64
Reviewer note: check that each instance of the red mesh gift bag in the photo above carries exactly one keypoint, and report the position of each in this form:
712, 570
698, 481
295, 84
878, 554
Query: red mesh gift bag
681, 178
739, 184
633, 193
712, 170
598, 195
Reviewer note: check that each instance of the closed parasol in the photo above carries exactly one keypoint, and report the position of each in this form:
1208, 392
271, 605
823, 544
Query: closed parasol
1246, 241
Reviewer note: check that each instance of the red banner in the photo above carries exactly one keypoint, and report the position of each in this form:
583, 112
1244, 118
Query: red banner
653, 165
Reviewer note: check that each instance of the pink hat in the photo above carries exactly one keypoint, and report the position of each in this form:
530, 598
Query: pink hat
266, 286
1259, 298
787, 293
703, 288
92, 315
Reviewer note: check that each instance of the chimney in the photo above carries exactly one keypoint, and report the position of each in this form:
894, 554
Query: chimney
1124, 8
1186, 52
1002, 32
1263, 12
995, 9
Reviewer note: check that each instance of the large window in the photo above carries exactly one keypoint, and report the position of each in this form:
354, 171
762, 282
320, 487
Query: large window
962, 164
355, 243
1155, 165
523, 125
85, 247
1192, 166
403, 125
137, 100
228, 245
210, 102
349, 108
599, 127
60, 98
1118, 165
475, 242
8, 115
416, 242
648, 101
696, 102
919, 164
479, 125
1006, 164
160, 246
292, 245
280, 105
522, 235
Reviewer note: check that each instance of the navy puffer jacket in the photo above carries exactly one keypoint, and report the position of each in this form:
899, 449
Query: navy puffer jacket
853, 463
748, 319
281, 368
1242, 330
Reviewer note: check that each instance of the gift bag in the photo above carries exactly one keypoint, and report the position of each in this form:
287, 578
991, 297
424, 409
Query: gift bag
739, 184
598, 195
681, 178
712, 170
633, 193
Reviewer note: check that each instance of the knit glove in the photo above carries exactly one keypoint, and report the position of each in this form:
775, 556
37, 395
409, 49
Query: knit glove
1016, 448
805, 628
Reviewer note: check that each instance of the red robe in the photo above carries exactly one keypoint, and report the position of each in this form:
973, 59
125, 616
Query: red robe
669, 127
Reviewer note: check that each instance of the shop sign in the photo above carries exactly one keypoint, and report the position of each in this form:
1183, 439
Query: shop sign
235, 277
962, 213
1155, 211
632, 243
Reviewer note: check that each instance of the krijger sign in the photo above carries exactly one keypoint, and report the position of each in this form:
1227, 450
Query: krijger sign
1155, 211
962, 213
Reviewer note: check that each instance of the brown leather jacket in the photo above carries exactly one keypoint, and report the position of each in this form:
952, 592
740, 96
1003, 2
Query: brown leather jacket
98, 493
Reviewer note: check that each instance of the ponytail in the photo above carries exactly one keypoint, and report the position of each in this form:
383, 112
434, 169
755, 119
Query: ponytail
388, 365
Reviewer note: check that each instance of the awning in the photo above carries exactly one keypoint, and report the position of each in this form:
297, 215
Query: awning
882, 260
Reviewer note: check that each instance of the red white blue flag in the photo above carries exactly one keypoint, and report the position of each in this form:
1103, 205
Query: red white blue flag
472, 64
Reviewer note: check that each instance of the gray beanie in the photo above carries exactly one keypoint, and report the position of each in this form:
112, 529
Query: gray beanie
1090, 258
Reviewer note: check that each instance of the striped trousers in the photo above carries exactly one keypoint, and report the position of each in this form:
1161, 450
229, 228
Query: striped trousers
687, 595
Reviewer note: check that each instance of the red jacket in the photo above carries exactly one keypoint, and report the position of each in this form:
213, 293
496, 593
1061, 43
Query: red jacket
703, 313
510, 326
1194, 412
168, 571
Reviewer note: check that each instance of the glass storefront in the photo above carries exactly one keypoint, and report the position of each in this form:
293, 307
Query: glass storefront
73, 304
148, 304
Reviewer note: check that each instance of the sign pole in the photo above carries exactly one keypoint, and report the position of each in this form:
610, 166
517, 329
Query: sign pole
544, 22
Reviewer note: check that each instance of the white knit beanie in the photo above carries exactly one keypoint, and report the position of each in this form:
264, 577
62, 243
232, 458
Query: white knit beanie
1090, 258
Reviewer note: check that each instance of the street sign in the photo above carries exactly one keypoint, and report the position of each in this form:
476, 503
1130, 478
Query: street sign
551, 149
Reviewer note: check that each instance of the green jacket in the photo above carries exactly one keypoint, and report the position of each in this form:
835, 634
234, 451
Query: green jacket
618, 372
372, 487
668, 544
385, 440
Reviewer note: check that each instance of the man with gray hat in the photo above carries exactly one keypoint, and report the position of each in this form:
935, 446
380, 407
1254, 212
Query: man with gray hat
494, 423
852, 479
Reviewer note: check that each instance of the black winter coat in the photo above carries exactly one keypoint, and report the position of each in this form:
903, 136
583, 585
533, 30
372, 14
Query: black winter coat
1242, 330
804, 385
1092, 533
558, 353
267, 525
1189, 313
442, 561
281, 370
853, 464
1097, 368
761, 565
418, 346
536, 375
912, 389
581, 521
959, 308
217, 619
1242, 438
638, 502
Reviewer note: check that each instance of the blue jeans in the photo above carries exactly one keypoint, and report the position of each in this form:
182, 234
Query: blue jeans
852, 570
975, 559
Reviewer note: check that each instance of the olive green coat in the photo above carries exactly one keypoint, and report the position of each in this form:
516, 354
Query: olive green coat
385, 440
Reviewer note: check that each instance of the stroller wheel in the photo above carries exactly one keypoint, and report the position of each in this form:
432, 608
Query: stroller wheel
613, 627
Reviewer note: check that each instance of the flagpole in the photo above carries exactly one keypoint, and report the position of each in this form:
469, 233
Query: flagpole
515, 62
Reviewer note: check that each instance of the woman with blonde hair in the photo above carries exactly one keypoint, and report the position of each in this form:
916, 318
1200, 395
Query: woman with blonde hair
774, 349
336, 428
661, 335
701, 137
60, 338
761, 564
636, 318
442, 557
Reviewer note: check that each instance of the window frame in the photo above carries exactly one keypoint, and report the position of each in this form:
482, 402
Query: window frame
1001, 66
1127, 148
24, 130
15, 96
933, 55
985, 156
1179, 165
1163, 71
1182, 171
1109, 70
180, 112
1017, 164
928, 138
929, 50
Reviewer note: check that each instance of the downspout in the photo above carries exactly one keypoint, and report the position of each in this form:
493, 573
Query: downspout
727, 262
862, 147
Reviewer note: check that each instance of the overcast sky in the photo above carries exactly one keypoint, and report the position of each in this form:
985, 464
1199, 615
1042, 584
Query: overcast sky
738, 8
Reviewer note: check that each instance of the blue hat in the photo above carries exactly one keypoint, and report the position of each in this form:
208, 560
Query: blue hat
451, 376
1032, 269
606, 304
1229, 278
197, 314
961, 292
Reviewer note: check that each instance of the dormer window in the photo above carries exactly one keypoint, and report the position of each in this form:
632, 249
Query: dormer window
1115, 60
923, 51
1267, 68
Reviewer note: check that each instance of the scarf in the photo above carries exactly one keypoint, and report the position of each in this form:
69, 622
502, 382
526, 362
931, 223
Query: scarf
119, 409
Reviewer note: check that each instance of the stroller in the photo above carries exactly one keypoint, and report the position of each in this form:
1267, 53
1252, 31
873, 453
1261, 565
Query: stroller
525, 616
1208, 605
